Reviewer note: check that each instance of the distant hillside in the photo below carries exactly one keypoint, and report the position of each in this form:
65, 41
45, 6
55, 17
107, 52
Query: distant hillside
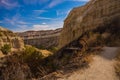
8, 37
41, 39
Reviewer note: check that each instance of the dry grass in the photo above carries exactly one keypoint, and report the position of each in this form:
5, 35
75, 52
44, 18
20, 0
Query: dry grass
14, 69
22, 65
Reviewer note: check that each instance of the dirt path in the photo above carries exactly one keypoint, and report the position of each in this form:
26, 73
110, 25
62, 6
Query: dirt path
102, 68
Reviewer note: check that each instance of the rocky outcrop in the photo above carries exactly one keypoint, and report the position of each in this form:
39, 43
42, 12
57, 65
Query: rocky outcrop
96, 13
8, 37
41, 39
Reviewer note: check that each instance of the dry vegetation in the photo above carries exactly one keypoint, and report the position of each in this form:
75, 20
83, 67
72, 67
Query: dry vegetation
14, 69
30, 63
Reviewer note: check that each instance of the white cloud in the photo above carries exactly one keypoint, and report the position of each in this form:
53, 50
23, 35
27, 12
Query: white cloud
47, 18
15, 20
54, 3
44, 18
54, 24
37, 27
21, 22
39, 11
9, 5
31, 2
60, 12
47, 26
43, 23
40, 27
10, 21
21, 28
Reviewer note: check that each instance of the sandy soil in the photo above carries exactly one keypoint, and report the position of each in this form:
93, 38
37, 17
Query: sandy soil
102, 67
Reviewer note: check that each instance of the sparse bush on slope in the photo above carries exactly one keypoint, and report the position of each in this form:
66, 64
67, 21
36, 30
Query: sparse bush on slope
6, 49
22, 65
31, 54
32, 57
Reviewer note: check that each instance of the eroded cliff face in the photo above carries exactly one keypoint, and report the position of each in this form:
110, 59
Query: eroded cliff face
8, 37
41, 39
96, 13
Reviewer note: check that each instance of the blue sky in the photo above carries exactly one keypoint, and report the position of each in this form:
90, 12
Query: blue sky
23, 15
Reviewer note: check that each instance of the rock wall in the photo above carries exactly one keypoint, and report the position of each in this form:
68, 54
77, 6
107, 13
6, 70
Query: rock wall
96, 13
41, 39
8, 37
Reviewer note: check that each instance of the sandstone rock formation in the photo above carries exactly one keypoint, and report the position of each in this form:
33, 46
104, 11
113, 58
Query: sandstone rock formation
96, 13
8, 37
41, 39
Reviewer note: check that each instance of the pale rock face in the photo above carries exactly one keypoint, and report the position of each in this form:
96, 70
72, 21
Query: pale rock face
8, 37
45, 38
94, 14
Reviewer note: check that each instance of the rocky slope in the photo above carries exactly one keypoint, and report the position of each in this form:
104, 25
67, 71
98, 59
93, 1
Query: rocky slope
8, 37
94, 15
41, 39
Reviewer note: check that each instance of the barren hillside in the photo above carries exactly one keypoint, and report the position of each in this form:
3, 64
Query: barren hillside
41, 39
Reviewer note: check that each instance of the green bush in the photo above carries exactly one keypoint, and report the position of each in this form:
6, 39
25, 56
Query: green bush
31, 54
6, 49
32, 57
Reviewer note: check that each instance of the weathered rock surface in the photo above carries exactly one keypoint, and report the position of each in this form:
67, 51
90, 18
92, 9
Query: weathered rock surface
96, 13
8, 37
41, 39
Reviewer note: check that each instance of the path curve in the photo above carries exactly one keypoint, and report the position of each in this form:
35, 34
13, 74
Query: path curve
102, 67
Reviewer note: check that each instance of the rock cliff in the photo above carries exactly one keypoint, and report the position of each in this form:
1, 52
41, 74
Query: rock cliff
95, 14
8, 37
41, 39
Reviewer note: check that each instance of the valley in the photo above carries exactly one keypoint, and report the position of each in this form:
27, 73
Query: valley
86, 48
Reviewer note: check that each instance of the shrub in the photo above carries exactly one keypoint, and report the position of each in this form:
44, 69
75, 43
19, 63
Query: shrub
31, 54
32, 57
6, 49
